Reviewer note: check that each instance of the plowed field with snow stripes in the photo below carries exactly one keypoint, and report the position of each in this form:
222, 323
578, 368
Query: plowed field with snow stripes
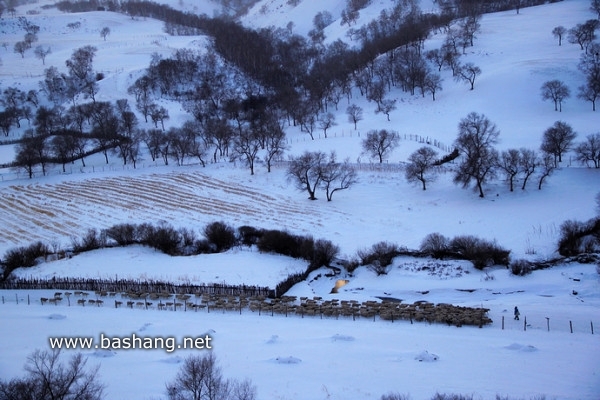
58, 211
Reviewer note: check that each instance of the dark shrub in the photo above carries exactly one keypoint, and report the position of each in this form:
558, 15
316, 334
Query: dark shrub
579, 237
203, 246
481, 253
123, 234
452, 396
351, 265
521, 267
92, 240
286, 284
395, 396
306, 247
282, 242
435, 245
163, 238
249, 235
221, 235
188, 241
464, 245
379, 257
324, 253
23, 257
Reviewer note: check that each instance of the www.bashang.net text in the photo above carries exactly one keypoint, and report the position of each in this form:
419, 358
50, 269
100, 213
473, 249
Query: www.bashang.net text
131, 342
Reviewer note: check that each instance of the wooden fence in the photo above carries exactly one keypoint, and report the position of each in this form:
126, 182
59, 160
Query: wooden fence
127, 285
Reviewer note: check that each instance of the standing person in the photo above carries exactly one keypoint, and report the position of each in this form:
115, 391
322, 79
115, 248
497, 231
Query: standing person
517, 313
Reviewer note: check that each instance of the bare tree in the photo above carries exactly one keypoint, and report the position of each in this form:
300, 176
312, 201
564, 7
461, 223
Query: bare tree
557, 140
200, 378
558, 33
589, 150
510, 163
55, 85
326, 121
421, 166
556, 91
380, 143
469, 26
158, 114
584, 34
433, 84
590, 66
337, 176
41, 52
355, 114
477, 136
468, 72
547, 165
104, 32
436, 56
7, 120
154, 140
595, 7
50, 379
386, 107
246, 146
275, 145
26, 156
528, 160
21, 47
306, 171
81, 73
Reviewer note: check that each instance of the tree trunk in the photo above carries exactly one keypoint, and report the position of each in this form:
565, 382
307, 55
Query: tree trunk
480, 189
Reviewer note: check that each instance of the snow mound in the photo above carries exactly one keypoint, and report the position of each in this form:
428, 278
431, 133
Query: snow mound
57, 316
104, 353
522, 348
287, 360
172, 360
273, 339
210, 333
427, 356
343, 338
144, 327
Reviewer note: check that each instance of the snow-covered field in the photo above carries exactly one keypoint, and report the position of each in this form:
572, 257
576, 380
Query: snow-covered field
332, 358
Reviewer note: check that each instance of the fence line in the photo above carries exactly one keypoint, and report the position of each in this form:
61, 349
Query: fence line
125, 285
547, 324
222, 299
411, 137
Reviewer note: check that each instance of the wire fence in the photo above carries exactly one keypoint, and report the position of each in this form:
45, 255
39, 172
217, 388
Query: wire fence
343, 133
547, 323
239, 299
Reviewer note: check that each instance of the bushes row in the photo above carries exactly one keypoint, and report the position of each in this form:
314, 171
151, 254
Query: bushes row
482, 253
217, 237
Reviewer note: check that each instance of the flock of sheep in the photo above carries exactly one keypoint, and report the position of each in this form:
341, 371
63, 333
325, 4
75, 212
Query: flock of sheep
387, 310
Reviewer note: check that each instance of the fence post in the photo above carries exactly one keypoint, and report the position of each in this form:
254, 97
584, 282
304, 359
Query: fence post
525, 324
503, 322
592, 325
17, 298
571, 326
548, 323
